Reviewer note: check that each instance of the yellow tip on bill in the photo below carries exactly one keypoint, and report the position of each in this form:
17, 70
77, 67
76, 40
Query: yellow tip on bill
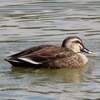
93, 53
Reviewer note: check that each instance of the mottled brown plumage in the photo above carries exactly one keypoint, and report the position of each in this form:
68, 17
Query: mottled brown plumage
50, 56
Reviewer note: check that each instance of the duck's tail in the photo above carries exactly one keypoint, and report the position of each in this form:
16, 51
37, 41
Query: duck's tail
11, 61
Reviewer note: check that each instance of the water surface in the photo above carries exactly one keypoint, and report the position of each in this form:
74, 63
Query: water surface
26, 23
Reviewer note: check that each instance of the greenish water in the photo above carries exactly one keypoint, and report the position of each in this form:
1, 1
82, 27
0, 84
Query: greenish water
27, 23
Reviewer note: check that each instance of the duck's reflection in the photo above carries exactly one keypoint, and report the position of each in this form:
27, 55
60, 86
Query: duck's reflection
65, 75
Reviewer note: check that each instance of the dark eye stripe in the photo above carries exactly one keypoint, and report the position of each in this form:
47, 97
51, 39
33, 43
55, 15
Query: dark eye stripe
79, 43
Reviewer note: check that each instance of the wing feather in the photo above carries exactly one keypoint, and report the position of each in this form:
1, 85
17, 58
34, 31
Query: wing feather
46, 54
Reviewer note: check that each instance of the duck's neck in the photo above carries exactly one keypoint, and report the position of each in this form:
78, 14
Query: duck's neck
84, 58
64, 43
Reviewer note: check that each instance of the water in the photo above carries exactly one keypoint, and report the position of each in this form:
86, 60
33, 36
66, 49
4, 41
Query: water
26, 23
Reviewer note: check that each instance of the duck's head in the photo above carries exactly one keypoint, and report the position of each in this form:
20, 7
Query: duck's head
76, 44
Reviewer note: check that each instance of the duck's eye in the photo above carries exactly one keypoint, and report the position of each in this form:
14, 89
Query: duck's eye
79, 42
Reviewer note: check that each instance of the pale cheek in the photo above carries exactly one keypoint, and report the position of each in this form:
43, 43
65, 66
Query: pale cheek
76, 48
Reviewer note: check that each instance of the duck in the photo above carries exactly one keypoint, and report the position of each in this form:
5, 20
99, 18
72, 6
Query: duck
68, 55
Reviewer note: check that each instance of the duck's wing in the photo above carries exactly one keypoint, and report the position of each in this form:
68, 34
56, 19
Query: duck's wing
46, 54
15, 57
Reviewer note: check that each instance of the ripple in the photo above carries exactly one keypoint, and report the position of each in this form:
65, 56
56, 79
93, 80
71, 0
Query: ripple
29, 23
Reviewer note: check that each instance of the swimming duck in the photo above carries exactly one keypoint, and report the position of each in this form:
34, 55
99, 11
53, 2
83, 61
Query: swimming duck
51, 56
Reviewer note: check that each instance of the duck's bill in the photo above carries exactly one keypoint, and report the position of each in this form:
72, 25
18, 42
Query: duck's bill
88, 51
